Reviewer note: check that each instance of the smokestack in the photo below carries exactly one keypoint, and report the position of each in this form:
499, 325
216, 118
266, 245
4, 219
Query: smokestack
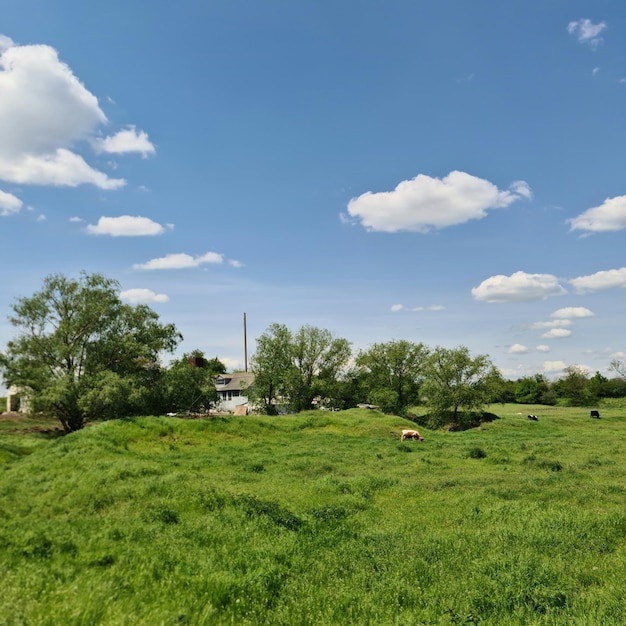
245, 345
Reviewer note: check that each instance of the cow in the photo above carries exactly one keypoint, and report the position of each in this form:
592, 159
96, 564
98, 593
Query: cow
534, 418
595, 414
411, 434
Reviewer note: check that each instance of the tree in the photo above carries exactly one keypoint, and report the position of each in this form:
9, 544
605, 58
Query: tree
532, 390
271, 365
189, 383
393, 373
82, 353
573, 387
317, 358
297, 368
454, 381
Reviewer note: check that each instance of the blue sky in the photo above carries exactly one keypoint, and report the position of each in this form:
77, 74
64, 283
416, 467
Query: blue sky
444, 172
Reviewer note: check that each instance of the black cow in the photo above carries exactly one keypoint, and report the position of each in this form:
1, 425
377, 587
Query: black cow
534, 418
595, 414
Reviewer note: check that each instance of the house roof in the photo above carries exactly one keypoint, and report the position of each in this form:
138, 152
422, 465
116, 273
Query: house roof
237, 380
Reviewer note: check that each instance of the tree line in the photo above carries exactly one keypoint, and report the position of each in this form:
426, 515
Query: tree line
83, 354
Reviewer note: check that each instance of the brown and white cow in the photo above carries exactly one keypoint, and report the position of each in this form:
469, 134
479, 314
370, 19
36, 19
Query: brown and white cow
411, 434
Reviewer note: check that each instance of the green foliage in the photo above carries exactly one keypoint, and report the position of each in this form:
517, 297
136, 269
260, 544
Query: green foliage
298, 368
574, 387
392, 374
83, 354
456, 383
190, 388
533, 390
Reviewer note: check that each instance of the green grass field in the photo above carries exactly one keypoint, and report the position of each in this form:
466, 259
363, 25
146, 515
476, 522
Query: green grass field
319, 518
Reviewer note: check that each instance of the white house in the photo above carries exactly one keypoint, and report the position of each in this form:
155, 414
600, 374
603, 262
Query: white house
231, 389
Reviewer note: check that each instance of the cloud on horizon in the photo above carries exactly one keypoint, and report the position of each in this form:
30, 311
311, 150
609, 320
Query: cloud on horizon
572, 311
425, 203
517, 348
143, 296
557, 333
519, 287
125, 226
180, 261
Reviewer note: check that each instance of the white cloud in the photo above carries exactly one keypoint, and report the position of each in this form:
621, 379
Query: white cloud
235, 263
517, 348
179, 261
397, 307
586, 31
5, 43
125, 226
572, 311
518, 287
600, 280
76, 219
553, 366
143, 296
9, 203
127, 140
424, 203
432, 307
46, 117
552, 324
557, 333
610, 216
542, 348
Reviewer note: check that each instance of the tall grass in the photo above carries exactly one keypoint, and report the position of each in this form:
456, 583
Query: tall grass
320, 518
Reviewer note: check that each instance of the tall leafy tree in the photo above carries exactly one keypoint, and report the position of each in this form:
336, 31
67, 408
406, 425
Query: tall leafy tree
393, 372
271, 365
317, 360
84, 354
455, 381
297, 367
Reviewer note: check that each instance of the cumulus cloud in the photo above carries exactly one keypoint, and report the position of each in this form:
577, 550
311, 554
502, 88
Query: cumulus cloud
46, 116
180, 261
143, 296
127, 140
610, 216
586, 31
518, 287
553, 366
76, 219
9, 203
125, 226
607, 279
557, 333
572, 311
551, 324
424, 203
542, 348
517, 348
235, 263
397, 307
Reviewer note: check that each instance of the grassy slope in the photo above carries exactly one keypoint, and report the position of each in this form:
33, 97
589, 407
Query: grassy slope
321, 518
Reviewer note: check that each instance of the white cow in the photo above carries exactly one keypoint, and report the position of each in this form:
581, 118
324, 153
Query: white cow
411, 434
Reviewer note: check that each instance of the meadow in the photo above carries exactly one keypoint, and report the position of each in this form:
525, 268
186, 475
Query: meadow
317, 518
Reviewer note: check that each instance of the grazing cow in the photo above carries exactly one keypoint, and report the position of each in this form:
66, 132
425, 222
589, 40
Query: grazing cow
595, 414
534, 418
411, 434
